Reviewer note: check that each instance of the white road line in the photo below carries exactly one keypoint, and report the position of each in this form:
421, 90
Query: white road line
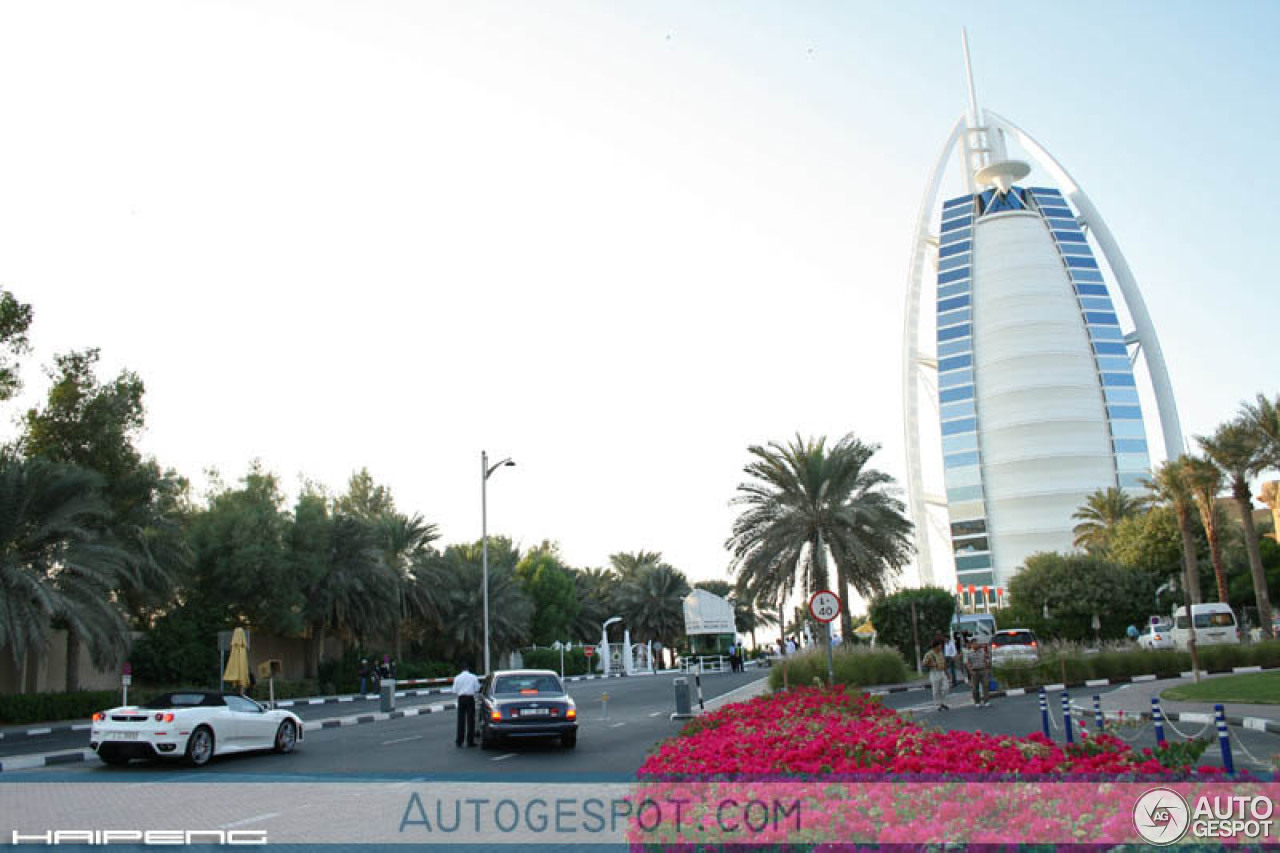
401, 740
616, 725
250, 820
657, 713
504, 757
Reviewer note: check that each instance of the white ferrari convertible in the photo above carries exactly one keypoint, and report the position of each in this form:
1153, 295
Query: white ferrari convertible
195, 725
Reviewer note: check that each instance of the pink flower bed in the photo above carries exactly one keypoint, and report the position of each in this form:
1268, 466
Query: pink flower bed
818, 731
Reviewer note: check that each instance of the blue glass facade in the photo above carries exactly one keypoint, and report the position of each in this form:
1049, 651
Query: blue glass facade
961, 455
1115, 371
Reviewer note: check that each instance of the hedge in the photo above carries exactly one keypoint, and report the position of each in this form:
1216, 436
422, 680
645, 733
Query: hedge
856, 667
575, 662
1072, 667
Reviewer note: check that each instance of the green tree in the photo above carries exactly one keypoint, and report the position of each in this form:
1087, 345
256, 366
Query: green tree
1171, 484
95, 425
405, 540
550, 585
1098, 517
15, 321
891, 616
651, 604
242, 562
1263, 417
365, 499
804, 504
1075, 588
510, 610
596, 590
1205, 481
54, 561
1240, 450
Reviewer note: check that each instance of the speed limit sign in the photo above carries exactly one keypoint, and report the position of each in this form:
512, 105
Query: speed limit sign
825, 606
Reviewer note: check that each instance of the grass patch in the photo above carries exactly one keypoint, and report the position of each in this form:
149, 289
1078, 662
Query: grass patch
1256, 688
854, 667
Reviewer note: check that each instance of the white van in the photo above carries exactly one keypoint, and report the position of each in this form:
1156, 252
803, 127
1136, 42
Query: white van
980, 625
1215, 625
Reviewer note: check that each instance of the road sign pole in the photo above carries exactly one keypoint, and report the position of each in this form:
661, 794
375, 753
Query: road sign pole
831, 662
825, 606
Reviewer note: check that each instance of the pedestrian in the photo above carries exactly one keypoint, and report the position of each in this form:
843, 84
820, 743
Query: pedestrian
949, 652
364, 675
978, 661
465, 687
384, 668
791, 646
935, 663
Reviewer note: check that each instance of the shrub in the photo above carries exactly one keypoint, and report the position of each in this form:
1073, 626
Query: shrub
856, 667
45, 707
891, 617
575, 662
1070, 664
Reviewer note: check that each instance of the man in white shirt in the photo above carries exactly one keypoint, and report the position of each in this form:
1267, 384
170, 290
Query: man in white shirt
465, 687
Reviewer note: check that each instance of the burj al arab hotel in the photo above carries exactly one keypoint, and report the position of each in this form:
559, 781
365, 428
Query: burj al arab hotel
1019, 368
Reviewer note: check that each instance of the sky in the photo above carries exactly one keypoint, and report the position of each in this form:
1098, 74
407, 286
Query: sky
619, 243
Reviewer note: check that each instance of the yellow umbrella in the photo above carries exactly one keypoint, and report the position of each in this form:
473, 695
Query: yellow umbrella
865, 628
238, 661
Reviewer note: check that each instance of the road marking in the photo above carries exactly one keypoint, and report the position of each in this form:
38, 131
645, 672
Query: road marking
615, 725
657, 713
250, 820
504, 757
401, 740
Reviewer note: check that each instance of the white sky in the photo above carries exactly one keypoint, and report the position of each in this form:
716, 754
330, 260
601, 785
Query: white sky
618, 242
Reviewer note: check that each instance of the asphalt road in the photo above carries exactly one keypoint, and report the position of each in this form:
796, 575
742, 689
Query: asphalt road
613, 741
1020, 715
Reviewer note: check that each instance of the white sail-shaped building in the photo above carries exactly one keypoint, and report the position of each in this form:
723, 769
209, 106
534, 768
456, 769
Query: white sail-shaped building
1028, 368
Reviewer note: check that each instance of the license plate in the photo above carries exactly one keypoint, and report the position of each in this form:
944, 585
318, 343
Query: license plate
122, 735
535, 712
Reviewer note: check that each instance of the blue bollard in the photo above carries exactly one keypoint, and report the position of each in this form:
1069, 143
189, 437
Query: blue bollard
1044, 713
1224, 740
1157, 717
1097, 712
1066, 717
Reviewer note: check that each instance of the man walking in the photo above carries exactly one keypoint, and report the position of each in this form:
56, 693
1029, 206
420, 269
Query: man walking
949, 652
978, 661
935, 663
465, 687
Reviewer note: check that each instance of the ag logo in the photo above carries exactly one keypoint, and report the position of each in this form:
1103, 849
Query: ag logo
1161, 816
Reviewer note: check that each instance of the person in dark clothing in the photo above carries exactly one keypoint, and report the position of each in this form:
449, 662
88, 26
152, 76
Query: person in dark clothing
465, 687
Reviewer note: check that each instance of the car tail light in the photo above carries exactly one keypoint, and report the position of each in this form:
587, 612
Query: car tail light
164, 718
495, 714
1032, 644
99, 717
571, 714
529, 691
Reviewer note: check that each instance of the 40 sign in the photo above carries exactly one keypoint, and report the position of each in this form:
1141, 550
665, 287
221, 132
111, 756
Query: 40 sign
825, 606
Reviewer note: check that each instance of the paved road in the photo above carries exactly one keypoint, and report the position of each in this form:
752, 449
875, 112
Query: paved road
1020, 715
638, 717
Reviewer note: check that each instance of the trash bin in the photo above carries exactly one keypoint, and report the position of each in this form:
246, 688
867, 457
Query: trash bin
684, 701
387, 688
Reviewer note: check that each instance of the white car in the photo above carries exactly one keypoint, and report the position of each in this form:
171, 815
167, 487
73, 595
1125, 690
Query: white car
1017, 646
1157, 636
194, 725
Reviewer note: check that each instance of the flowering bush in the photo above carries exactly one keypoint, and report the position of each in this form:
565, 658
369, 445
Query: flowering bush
812, 731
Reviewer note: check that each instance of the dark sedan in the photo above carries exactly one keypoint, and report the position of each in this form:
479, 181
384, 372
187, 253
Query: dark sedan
521, 703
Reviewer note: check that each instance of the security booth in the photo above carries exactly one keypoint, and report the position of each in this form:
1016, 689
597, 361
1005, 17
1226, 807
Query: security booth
708, 625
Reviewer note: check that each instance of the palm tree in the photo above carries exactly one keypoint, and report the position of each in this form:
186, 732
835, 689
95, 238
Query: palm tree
404, 539
54, 563
1264, 417
510, 609
1205, 481
1171, 485
629, 564
804, 503
1100, 514
1238, 448
652, 604
596, 589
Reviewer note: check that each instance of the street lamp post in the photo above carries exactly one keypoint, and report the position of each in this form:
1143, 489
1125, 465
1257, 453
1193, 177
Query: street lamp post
486, 472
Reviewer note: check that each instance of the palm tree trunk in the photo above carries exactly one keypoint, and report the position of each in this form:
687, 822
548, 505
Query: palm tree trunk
846, 618
73, 661
1245, 501
1190, 567
1215, 556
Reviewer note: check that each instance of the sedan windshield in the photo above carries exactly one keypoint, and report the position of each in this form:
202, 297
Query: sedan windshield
527, 685
1021, 638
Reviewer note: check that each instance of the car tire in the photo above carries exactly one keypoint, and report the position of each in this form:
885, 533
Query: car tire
200, 747
286, 737
569, 740
487, 740
114, 760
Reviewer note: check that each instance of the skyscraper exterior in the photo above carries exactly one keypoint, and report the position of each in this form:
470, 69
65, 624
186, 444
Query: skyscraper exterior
1031, 371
